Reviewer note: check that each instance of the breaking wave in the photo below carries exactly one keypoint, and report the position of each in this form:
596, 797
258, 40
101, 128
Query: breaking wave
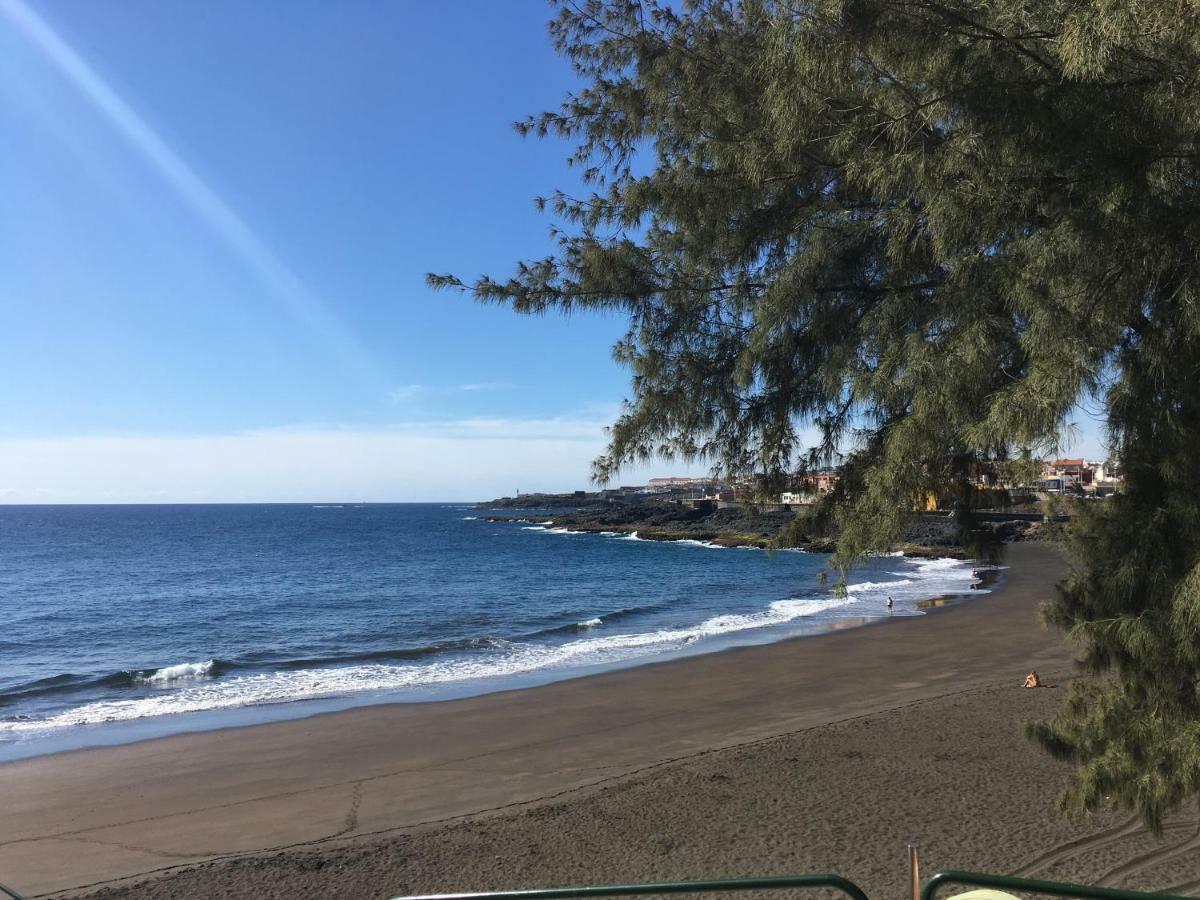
509, 659
595, 621
70, 683
583, 640
180, 672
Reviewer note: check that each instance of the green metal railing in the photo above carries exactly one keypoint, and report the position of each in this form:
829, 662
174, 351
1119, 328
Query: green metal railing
1033, 886
837, 882
929, 890
793, 882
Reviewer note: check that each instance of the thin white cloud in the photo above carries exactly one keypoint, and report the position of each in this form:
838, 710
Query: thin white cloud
581, 427
409, 391
464, 459
487, 386
406, 392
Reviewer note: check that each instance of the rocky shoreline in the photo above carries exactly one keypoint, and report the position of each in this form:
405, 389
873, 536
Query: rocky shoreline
745, 526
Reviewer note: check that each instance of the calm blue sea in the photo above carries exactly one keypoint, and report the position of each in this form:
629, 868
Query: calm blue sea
120, 622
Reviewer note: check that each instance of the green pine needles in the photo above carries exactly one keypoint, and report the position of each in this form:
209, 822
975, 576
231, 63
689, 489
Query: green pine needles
918, 231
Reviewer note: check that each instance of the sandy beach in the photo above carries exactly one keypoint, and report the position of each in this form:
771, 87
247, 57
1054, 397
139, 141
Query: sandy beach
816, 754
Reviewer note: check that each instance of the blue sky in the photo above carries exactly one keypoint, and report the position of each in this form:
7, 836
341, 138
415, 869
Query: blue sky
217, 219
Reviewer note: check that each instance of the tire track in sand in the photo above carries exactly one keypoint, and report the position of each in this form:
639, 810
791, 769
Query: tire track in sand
1079, 845
1146, 860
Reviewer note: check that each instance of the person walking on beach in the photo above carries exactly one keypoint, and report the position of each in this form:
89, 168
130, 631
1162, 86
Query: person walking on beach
889, 604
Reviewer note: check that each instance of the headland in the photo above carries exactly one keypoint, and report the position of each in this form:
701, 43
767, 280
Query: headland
743, 524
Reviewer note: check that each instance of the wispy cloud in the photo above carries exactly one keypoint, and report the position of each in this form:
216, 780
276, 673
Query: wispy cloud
581, 427
406, 392
487, 386
455, 459
409, 391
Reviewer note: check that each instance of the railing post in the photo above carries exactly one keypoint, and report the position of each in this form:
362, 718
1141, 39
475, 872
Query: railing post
914, 871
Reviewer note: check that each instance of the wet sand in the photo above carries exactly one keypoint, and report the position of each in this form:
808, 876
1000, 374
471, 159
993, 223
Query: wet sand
819, 754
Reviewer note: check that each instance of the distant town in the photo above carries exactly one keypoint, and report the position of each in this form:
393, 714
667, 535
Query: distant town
1073, 477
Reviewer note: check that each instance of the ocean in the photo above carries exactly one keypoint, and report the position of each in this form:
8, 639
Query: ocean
125, 622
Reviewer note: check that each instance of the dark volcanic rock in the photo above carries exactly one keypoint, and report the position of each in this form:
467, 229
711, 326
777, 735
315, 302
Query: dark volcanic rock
546, 501
932, 531
928, 534
654, 515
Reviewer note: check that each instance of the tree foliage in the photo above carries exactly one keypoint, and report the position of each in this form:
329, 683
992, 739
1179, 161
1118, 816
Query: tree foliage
917, 231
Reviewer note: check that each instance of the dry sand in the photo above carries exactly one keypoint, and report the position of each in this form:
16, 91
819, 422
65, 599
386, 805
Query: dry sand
819, 754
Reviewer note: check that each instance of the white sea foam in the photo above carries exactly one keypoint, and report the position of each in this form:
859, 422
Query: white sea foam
941, 564
470, 518
563, 531
509, 660
865, 586
196, 690
180, 672
915, 580
632, 536
533, 527
709, 544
